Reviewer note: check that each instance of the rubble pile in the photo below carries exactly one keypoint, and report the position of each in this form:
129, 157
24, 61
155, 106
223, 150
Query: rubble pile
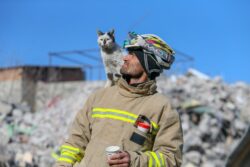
32, 139
214, 117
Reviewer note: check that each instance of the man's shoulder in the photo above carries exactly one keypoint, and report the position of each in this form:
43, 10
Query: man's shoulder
165, 102
103, 90
161, 98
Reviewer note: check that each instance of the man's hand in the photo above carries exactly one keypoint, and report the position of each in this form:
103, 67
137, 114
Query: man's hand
121, 159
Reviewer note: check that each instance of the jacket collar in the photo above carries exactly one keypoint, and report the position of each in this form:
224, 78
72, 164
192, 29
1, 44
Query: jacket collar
142, 89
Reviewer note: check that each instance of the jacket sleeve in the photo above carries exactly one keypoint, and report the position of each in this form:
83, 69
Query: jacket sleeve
167, 148
72, 150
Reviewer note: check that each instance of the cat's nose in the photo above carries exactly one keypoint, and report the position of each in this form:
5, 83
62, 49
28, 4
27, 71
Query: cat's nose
104, 42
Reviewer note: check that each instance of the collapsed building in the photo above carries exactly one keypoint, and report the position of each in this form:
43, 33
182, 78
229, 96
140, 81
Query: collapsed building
215, 117
19, 84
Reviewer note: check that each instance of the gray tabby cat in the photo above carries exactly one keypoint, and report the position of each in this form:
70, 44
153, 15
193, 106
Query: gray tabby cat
111, 54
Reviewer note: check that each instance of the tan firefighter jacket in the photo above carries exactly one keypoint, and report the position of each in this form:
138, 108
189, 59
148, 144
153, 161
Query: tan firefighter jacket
108, 119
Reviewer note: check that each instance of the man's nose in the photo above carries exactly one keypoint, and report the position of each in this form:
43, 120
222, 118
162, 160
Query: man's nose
125, 58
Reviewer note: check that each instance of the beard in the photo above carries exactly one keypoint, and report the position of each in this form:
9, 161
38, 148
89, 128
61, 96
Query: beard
131, 72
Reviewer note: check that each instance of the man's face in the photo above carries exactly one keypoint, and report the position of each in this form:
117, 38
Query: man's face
132, 66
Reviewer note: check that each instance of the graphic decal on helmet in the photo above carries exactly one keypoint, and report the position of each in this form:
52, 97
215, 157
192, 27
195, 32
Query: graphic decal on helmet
154, 45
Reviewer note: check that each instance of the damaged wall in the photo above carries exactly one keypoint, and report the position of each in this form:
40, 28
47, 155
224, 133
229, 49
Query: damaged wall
19, 84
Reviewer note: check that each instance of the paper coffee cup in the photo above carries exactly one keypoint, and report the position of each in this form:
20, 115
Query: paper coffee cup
111, 150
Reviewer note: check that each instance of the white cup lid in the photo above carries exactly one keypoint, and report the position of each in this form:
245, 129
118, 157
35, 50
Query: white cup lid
112, 149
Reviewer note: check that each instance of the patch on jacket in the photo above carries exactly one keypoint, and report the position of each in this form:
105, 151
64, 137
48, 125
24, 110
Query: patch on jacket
137, 138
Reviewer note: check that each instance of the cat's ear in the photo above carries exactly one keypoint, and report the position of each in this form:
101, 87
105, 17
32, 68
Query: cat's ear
112, 32
99, 33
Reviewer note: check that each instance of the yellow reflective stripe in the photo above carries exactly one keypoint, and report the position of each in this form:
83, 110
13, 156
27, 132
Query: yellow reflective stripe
159, 158
70, 148
162, 159
69, 157
156, 159
115, 111
71, 152
112, 117
150, 163
155, 126
114, 114
72, 156
68, 154
66, 160
122, 115
154, 164
54, 155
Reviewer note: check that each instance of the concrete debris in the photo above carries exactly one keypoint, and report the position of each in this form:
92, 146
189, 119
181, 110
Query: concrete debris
194, 157
214, 117
25, 159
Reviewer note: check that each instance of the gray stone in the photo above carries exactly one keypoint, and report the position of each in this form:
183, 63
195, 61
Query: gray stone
4, 108
208, 164
192, 139
194, 157
239, 125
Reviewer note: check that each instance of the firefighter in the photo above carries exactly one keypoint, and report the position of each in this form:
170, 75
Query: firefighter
131, 115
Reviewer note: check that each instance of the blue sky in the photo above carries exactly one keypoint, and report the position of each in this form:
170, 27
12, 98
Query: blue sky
216, 33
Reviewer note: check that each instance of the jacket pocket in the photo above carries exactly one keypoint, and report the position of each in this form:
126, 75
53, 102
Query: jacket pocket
138, 141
